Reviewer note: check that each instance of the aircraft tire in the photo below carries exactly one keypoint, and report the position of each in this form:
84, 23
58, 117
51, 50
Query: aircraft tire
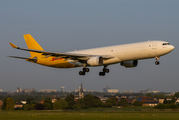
107, 70
157, 63
81, 73
102, 73
87, 69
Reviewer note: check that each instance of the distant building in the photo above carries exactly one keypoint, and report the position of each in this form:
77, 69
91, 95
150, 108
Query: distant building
145, 91
150, 103
78, 90
28, 90
155, 91
129, 91
81, 95
62, 89
147, 101
161, 100
148, 91
105, 89
170, 94
18, 90
48, 90
90, 91
113, 90
103, 99
53, 100
18, 105
177, 101
24, 102
0, 90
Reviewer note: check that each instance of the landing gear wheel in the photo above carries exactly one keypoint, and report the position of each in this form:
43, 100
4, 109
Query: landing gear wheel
102, 73
106, 70
157, 62
81, 73
87, 69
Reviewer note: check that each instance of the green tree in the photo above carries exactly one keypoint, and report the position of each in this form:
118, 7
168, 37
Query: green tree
112, 101
77, 106
47, 104
60, 104
173, 99
108, 104
39, 106
148, 94
90, 101
176, 95
4, 104
10, 104
27, 107
161, 96
70, 100
123, 102
165, 101
159, 106
32, 107
57, 98
137, 103
28, 101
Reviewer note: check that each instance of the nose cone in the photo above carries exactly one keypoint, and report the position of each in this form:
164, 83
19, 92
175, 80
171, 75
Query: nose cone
171, 48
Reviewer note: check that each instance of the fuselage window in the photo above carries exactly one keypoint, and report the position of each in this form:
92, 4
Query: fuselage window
166, 43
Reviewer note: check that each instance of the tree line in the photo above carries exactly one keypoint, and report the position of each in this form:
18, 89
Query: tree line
89, 101
69, 102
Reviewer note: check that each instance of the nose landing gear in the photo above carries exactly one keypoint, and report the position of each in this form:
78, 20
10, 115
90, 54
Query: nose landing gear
157, 60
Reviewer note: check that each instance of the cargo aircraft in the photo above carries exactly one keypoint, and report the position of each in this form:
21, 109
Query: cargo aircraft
127, 55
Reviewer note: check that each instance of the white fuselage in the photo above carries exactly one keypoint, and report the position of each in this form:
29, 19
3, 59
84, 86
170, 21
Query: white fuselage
128, 52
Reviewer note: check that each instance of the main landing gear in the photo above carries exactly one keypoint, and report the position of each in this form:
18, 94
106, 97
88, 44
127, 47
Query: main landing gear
84, 71
157, 60
105, 70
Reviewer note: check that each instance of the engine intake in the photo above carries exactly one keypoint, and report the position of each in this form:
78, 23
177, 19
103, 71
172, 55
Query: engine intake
129, 64
95, 61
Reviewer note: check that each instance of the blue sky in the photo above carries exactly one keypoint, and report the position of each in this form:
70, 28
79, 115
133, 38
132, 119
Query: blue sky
66, 25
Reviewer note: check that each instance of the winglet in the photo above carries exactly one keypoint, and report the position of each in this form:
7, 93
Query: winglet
14, 46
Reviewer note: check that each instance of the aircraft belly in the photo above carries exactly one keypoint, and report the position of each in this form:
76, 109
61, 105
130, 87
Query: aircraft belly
55, 62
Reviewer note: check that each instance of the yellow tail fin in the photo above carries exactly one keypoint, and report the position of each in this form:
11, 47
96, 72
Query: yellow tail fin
32, 44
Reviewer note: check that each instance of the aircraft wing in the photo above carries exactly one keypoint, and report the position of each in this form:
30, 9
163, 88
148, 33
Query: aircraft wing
68, 55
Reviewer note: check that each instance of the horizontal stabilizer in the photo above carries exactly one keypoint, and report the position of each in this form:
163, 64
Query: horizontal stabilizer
18, 57
28, 59
14, 46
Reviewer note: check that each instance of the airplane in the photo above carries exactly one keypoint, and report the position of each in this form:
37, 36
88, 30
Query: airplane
127, 55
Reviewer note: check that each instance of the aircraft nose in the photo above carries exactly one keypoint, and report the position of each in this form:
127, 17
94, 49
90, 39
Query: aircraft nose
171, 47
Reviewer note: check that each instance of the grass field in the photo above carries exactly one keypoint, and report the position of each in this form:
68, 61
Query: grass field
87, 115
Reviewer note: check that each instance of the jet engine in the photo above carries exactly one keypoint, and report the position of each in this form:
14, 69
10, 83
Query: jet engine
95, 61
129, 64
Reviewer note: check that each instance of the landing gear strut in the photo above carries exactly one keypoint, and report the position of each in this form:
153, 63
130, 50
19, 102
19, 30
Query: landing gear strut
157, 60
84, 70
105, 70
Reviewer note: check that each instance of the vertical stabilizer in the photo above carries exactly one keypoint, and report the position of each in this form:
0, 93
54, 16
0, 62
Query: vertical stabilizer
32, 44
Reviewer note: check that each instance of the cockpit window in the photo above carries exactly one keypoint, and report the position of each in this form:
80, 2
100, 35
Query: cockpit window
166, 43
